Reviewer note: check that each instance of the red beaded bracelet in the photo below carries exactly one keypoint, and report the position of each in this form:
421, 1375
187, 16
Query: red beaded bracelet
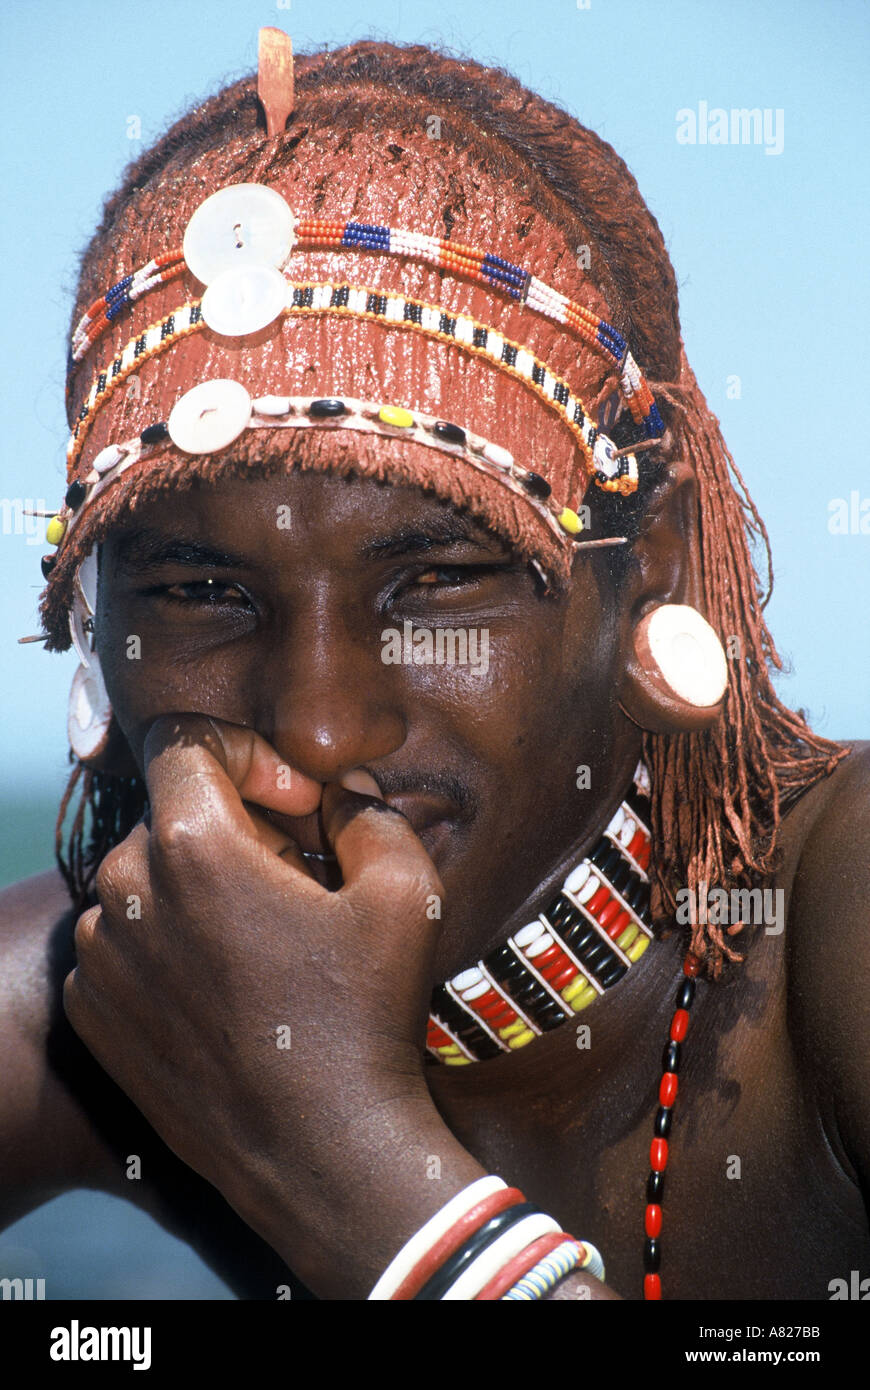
520, 1265
455, 1237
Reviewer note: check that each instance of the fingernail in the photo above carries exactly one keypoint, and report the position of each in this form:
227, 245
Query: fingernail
358, 781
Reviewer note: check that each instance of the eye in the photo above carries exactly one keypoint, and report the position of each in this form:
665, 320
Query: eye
203, 592
446, 576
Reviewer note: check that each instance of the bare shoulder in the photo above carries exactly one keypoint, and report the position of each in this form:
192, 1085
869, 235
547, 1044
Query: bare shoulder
46, 1139
33, 914
828, 953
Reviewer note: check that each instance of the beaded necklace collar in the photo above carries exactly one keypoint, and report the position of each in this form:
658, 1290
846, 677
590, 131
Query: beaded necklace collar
595, 929
586, 941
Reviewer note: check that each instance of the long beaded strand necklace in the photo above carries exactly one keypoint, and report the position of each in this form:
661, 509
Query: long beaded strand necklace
658, 1151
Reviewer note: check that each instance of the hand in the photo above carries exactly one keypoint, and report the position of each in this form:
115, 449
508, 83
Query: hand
237, 951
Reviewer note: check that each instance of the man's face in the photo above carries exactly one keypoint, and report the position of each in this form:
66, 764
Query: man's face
269, 603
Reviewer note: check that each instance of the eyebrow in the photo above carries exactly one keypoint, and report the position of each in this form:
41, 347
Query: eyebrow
430, 535
150, 549
145, 549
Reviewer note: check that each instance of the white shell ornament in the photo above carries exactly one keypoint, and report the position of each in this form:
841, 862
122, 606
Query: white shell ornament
243, 224
273, 405
688, 654
78, 615
108, 458
86, 579
90, 713
244, 299
210, 416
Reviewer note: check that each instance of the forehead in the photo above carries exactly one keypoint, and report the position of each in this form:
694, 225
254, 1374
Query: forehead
348, 516
410, 182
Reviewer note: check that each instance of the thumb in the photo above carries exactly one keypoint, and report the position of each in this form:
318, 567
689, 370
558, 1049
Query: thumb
194, 761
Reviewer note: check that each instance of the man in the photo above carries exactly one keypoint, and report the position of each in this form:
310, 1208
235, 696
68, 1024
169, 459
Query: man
244, 1005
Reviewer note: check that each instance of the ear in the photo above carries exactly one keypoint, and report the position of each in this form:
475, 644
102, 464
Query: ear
674, 672
94, 734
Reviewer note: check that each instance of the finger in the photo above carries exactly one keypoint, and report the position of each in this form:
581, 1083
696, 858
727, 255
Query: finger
85, 930
199, 770
124, 869
376, 846
275, 840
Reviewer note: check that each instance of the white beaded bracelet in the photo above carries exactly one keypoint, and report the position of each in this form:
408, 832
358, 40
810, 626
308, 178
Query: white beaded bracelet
414, 1249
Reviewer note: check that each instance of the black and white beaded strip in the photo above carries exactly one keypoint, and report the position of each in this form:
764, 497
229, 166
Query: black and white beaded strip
301, 412
612, 470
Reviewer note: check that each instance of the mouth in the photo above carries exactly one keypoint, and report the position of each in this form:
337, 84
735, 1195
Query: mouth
432, 818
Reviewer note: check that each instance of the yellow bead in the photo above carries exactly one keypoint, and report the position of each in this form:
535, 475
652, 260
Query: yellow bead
520, 1039
510, 1029
55, 530
574, 988
456, 1061
396, 415
626, 937
638, 948
450, 1050
570, 521
583, 999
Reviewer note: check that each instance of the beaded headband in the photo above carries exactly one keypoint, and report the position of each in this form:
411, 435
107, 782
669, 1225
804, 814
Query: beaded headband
240, 243
242, 298
496, 273
213, 414
612, 470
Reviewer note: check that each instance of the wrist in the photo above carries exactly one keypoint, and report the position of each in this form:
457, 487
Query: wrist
488, 1243
338, 1218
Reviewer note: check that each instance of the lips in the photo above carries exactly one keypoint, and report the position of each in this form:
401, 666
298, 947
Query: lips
432, 818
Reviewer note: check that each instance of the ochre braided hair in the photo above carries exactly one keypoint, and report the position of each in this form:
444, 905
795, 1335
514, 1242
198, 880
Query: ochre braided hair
719, 796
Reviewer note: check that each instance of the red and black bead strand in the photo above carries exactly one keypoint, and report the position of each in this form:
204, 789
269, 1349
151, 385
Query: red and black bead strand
652, 1284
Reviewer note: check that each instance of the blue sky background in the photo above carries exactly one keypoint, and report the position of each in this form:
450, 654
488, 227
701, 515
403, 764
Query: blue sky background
768, 252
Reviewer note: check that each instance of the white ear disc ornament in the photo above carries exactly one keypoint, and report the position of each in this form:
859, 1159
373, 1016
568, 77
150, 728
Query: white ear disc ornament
241, 225
244, 299
209, 417
688, 653
90, 713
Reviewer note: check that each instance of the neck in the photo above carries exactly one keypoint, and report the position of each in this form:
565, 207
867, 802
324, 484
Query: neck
589, 931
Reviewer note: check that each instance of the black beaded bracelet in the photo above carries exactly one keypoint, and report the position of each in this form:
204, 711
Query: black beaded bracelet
458, 1262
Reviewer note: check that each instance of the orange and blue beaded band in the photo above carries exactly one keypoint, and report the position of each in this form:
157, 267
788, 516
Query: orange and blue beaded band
486, 268
99, 316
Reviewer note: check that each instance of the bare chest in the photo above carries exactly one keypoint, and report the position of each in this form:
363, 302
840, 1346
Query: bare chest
754, 1204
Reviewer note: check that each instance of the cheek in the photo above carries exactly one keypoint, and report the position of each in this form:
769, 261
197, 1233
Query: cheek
148, 672
547, 690
565, 711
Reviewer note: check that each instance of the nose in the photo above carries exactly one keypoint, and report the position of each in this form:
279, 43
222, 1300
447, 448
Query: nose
331, 705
